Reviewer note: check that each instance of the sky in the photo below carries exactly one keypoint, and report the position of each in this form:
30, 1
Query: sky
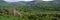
16, 0
47, 0
23, 0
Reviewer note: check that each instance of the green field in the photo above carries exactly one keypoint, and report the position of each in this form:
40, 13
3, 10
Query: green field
32, 16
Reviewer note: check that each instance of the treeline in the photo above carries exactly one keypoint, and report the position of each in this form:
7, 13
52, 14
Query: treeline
46, 6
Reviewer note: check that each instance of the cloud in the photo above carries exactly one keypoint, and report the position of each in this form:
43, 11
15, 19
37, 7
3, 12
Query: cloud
16, 0
47, 0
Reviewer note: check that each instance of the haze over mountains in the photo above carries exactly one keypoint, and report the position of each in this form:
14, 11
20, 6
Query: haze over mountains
34, 2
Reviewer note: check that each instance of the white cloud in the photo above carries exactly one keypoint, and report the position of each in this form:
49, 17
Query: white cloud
47, 0
16, 0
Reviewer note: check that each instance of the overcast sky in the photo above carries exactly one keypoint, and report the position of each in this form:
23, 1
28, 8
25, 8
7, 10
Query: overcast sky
17, 0
47, 0
23, 0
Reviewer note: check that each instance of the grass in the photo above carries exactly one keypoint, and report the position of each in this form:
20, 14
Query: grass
26, 18
7, 17
27, 15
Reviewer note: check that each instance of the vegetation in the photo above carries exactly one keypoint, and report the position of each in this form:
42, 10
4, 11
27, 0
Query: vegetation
38, 11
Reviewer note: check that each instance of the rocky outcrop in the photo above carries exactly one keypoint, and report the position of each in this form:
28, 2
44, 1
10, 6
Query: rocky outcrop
12, 12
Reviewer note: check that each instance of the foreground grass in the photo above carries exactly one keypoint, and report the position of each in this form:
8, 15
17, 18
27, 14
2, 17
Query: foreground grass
7, 17
26, 18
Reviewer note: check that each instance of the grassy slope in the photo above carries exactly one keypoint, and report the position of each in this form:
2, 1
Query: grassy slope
6, 17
